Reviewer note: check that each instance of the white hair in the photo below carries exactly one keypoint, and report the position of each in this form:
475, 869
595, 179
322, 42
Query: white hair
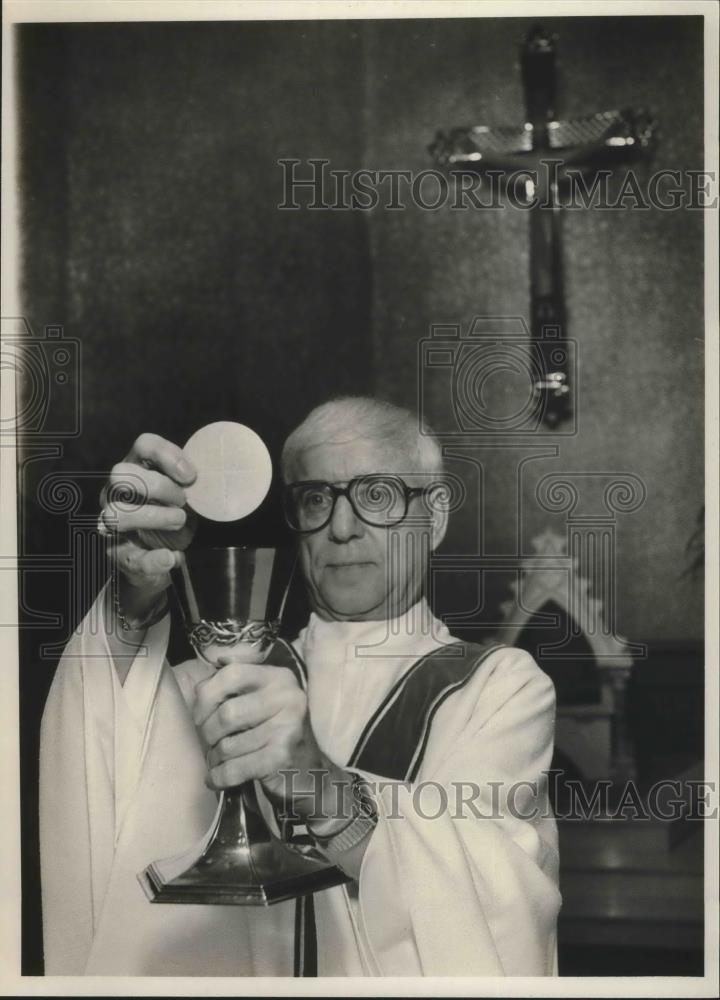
348, 418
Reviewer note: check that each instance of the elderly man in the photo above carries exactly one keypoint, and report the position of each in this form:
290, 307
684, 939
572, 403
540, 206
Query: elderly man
433, 797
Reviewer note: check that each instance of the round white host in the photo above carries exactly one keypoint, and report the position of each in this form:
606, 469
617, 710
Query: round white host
234, 471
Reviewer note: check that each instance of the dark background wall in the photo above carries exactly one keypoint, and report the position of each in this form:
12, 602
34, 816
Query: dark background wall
151, 191
151, 234
634, 280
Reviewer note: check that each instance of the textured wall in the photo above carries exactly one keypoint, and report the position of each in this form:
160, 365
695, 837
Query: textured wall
634, 284
152, 235
194, 298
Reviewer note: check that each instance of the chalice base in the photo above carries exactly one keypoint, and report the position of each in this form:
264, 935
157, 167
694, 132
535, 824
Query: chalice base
240, 862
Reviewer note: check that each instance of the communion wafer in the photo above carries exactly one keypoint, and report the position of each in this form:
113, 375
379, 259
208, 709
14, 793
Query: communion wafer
234, 471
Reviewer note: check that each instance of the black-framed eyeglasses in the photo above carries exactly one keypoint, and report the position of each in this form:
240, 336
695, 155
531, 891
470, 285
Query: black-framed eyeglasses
380, 500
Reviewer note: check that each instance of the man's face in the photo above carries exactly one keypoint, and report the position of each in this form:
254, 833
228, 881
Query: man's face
347, 565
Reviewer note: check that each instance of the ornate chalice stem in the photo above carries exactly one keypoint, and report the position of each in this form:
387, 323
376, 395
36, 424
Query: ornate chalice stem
211, 640
250, 642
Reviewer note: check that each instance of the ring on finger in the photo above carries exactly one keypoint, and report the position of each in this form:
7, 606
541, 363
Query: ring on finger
103, 528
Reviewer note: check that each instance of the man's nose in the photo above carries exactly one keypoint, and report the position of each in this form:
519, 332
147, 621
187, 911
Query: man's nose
344, 523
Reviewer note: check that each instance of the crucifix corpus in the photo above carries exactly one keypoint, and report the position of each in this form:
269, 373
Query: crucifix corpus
539, 152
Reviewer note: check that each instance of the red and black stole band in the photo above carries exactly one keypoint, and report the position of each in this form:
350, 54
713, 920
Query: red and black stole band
393, 742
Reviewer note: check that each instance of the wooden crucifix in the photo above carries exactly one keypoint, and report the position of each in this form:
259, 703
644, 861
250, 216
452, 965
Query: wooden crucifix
542, 149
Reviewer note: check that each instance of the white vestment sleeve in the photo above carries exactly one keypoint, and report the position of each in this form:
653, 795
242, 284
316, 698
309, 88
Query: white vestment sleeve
122, 785
93, 737
444, 892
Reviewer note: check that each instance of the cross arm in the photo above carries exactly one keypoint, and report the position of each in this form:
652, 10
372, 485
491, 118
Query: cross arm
583, 143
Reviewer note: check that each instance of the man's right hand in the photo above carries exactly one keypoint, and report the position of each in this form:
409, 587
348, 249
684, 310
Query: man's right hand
144, 507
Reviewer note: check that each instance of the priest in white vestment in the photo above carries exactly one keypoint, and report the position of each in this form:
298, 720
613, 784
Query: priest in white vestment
456, 875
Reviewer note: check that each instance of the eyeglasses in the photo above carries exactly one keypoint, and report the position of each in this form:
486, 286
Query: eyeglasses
379, 500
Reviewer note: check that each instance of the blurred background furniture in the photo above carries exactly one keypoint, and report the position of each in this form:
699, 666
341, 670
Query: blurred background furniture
632, 886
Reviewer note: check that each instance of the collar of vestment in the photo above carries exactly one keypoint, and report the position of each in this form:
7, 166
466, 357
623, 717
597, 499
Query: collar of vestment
353, 665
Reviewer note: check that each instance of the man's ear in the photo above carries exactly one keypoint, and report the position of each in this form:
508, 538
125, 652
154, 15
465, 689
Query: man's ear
440, 518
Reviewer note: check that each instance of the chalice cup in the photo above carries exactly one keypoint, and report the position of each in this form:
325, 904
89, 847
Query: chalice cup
232, 601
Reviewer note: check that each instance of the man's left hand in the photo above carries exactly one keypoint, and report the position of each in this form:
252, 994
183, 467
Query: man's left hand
254, 718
